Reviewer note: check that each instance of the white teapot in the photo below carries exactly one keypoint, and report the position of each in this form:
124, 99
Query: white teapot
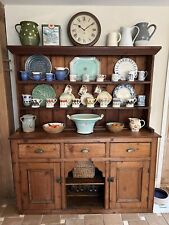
136, 124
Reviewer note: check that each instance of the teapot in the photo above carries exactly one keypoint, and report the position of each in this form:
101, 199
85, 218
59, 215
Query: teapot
136, 124
126, 35
28, 122
144, 35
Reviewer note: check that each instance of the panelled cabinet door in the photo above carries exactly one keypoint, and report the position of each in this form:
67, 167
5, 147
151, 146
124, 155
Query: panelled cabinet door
40, 186
129, 185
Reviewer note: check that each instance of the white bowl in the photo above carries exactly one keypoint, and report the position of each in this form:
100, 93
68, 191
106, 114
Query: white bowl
53, 127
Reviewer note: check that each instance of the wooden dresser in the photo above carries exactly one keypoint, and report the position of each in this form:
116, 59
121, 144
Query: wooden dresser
124, 162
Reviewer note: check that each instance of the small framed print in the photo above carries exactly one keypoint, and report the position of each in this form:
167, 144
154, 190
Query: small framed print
51, 34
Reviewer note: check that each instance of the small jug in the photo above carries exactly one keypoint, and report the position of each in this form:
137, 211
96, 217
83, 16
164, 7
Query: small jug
113, 39
61, 73
28, 122
126, 35
136, 124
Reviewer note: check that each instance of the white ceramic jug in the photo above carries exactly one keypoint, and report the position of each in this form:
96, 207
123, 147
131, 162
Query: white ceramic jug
126, 35
113, 39
136, 124
28, 122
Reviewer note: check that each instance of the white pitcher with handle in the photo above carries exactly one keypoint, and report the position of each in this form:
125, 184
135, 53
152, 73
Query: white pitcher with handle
136, 124
126, 35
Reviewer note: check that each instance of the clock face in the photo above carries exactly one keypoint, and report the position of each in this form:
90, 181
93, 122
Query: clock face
84, 29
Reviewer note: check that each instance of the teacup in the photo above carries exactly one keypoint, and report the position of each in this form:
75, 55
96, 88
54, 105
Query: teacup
72, 77
90, 102
98, 89
116, 102
68, 89
142, 75
27, 99
24, 75
64, 103
100, 77
50, 76
61, 73
76, 103
130, 102
85, 78
36, 76
82, 90
104, 102
36, 102
131, 76
50, 102
115, 77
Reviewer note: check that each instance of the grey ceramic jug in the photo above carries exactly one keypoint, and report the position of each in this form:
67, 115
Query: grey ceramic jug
144, 35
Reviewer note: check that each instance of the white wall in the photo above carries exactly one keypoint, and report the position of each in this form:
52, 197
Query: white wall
111, 18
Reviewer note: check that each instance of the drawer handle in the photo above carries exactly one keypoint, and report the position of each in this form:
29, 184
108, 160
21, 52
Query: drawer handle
84, 150
39, 150
131, 150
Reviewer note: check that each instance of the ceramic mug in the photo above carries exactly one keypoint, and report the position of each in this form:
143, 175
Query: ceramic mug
113, 39
100, 77
61, 73
98, 89
85, 78
36, 76
104, 103
36, 102
90, 102
72, 77
116, 102
76, 103
131, 76
130, 102
27, 99
141, 100
50, 76
82, 90
24, 75
142, 75
115, 77
50, 102
63, 103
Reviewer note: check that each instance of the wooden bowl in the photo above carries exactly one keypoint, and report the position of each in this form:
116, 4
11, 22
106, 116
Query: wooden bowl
53, 127
115, 126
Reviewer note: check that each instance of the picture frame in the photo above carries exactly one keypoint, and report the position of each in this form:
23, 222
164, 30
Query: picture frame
51, 34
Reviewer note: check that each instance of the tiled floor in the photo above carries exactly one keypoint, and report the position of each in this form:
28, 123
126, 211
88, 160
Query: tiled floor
9, 216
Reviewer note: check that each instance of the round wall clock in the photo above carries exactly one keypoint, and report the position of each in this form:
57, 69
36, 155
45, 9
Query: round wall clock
84, 29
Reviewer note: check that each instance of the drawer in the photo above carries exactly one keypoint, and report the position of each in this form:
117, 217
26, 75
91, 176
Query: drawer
39, 150
130, 149
85, 150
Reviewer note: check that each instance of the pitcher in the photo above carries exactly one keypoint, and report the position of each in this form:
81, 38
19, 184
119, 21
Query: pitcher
28, 122
144, 35
136, 124
28, 33
126, 35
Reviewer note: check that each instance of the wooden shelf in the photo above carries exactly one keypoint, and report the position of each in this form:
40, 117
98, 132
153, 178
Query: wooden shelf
84, 181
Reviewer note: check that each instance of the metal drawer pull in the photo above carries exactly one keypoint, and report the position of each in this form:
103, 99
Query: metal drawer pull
39, 150
131, 150
84, 150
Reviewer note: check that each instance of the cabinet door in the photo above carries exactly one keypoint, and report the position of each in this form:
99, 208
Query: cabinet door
39, 186
129, 185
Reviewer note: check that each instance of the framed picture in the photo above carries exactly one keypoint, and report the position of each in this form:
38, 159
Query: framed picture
51, 34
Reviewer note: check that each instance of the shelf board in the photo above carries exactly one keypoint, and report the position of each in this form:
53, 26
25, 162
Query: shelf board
84, 181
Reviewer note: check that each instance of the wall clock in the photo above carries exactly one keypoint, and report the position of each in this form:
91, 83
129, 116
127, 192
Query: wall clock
84, 29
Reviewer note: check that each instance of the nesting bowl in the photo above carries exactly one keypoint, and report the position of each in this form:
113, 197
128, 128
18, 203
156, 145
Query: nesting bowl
115, 126
53, 128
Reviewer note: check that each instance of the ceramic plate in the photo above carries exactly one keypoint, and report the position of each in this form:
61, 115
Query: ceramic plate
84, 97
85, 65
124, 92
124, 66
104, 95
43, 91
38, 63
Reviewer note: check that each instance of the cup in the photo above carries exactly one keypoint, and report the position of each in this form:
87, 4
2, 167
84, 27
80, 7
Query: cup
90, 102
50, 76
142, 75
72, 77
68, 89
100, 77
82, 90
36, 102
27, 99
116, 103
98, 89
130, 102
36, 76
115, 77
50, 102
63, 103
76, 103
85, 78
61, 73
104, 103
141, 100
113, 39
24, 75
131, 76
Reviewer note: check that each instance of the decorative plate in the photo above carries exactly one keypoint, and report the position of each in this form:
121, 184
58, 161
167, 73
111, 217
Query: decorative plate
84, 97
124, 66
124, 92
38, 63
85, 65
104, 95
43, 91
68, 96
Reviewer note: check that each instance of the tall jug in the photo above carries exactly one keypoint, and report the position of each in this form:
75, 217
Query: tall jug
145, 34
28, 122
28, 33
126, 35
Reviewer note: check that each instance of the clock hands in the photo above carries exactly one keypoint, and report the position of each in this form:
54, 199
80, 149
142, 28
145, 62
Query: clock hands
89, 26
79, 26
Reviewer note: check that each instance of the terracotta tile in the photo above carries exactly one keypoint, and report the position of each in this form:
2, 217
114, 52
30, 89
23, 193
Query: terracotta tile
49, 219
12, 221
141, 222
93, 219
111, 219
65, 216
74, 221
130, 216
32, 220
155, 219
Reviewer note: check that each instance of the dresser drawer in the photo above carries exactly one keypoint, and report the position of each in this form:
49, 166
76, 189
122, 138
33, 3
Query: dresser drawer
85, 150
39, 150
130, 149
